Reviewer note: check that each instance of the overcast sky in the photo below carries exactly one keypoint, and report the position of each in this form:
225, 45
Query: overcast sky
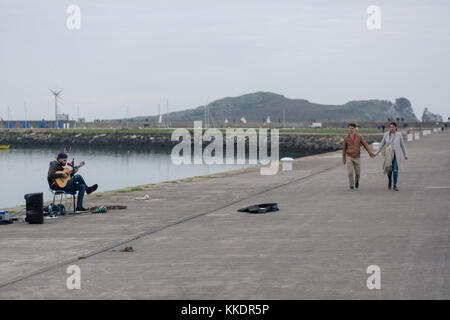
138, 53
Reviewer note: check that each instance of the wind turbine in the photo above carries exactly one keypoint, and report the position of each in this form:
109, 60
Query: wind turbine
56, 93
167, 115
160, 118
9, 117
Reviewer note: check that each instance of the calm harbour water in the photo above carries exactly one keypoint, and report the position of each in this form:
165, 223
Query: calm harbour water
24, 170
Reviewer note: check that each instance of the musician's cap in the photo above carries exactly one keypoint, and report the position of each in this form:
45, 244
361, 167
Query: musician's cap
61, 155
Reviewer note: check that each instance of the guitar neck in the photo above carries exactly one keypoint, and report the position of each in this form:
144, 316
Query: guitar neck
75, 167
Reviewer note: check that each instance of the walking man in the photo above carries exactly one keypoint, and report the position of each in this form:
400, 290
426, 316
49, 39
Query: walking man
351, 155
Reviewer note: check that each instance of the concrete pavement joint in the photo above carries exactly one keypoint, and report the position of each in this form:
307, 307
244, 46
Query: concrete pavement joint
437, 187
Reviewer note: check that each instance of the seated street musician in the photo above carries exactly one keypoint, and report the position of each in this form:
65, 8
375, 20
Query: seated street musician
60, 178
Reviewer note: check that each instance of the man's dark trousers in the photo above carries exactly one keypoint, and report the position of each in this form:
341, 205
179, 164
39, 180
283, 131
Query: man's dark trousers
77, 183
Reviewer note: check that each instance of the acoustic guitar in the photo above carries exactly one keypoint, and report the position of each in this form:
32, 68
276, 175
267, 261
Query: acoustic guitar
62, 182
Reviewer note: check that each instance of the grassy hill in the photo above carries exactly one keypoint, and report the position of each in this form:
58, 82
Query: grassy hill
256, 107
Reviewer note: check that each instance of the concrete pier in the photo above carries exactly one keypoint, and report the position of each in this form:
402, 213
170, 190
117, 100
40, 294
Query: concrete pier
191, 243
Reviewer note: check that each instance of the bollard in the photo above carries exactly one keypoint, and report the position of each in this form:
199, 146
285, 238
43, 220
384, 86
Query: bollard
286, 164
375, 146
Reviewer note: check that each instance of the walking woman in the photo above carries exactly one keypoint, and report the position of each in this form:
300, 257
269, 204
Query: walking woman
395, 149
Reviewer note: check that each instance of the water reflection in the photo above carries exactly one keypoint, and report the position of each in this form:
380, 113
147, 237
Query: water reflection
24, 170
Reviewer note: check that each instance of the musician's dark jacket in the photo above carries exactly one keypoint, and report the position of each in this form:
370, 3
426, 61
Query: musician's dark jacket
54, 166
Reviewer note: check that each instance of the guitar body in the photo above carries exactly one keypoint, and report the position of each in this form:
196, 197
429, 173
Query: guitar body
62, 182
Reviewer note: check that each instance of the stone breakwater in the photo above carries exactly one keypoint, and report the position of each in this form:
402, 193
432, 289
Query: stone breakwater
313, 144
289, 143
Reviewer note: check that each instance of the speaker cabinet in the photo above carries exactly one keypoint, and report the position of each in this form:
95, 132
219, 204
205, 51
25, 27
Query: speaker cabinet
34, 207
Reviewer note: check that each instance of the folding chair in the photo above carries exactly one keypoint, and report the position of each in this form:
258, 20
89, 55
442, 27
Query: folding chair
63, 193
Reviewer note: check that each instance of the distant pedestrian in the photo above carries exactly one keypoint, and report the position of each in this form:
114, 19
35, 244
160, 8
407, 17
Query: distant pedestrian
351, 155
395, 146
384, 127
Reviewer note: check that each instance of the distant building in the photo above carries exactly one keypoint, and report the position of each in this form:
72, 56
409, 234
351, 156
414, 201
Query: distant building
29, 124
63, 117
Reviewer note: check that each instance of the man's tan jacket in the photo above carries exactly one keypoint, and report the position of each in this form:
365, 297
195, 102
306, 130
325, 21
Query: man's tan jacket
353, 148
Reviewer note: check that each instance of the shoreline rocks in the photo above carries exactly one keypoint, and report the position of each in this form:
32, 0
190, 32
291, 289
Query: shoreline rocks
289, 143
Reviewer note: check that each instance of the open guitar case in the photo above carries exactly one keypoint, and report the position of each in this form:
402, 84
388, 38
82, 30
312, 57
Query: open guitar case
261, 208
